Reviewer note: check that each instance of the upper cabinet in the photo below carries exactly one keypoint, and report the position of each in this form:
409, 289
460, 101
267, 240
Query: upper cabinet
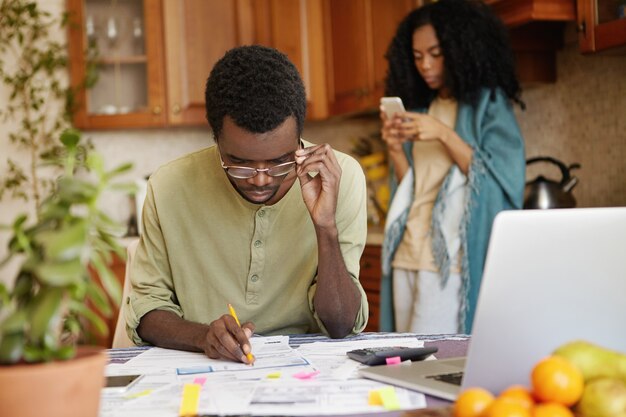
119, 46
339, 47
197, 34
536, 33
151, 58
357, 35
601, 25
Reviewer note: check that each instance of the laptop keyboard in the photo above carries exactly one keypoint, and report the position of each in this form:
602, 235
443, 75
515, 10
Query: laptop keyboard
453, 378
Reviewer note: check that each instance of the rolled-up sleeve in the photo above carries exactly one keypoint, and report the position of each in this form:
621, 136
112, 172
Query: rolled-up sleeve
152, 287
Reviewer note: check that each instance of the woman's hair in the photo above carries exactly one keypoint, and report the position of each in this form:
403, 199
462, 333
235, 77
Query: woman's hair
258, 87
475, 48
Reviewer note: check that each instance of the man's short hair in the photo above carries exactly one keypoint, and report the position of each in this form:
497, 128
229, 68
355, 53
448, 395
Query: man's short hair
258, 87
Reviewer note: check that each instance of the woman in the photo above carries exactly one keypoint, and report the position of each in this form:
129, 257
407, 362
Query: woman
457, 159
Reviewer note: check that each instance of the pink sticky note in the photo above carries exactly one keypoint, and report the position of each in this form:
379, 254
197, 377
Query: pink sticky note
394, 360
200, 381
306, 375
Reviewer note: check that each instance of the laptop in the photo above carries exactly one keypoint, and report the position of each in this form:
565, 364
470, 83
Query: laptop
551, 276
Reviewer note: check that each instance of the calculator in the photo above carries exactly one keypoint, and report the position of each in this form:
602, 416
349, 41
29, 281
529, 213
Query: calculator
379, 355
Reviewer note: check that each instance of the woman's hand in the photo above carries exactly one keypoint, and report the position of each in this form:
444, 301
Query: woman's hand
393, 136
418, 126
391, 132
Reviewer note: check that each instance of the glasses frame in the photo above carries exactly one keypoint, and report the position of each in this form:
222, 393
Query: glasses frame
255, 171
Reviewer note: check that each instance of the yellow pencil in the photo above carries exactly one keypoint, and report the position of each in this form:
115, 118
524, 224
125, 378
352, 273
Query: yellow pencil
232, 313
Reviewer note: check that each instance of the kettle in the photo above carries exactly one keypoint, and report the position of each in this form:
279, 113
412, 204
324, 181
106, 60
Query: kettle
542, 193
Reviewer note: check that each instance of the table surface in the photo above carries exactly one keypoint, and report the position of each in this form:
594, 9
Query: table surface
449, 346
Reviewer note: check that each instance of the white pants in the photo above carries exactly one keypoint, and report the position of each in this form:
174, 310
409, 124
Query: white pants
422, 306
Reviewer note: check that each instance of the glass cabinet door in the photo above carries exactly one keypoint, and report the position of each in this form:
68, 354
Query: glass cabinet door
601, 25
116, 47
609, 10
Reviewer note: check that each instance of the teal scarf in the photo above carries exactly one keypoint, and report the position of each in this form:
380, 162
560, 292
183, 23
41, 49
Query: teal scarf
496, 181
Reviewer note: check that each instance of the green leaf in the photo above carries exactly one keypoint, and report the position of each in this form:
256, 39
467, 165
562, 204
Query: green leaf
4, 294
11, 348
34, 354
95, 163
97, 296
76, 191
82, 310
108, 279
70, 138
23, 286
46, 311
65, 244
120, 169
65, 352
15, 323
72, 325
59, 274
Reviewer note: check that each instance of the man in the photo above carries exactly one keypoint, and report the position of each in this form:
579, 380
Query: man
263, 220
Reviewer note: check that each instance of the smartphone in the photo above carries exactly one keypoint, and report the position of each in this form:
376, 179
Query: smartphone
379, 355
391, 106
120, 383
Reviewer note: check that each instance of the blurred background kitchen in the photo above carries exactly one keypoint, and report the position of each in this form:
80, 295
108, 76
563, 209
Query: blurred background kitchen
152, 58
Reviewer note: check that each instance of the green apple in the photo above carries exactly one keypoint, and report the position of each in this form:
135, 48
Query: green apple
603, 397
594, 361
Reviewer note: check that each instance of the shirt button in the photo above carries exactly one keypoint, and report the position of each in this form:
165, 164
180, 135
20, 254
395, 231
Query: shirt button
257, 244
254, 278
261, 213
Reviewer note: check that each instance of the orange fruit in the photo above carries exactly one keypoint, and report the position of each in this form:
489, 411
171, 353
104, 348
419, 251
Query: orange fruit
520, 394
555, 379
472, 402
551, 410
506, 407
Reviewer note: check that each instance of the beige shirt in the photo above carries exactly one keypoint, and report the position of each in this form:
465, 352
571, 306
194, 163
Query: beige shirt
431, 163
203, 246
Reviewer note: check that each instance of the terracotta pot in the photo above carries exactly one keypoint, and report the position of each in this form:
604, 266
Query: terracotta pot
56, 389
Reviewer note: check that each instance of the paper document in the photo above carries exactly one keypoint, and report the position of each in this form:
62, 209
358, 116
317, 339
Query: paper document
314, 379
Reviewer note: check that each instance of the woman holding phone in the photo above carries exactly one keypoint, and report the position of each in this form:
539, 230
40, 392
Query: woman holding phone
457, 159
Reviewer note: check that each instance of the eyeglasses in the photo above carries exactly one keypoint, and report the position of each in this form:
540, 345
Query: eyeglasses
245, 173
248, 172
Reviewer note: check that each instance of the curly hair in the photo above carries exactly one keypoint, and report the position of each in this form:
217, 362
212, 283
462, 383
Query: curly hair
475, 47
258, 87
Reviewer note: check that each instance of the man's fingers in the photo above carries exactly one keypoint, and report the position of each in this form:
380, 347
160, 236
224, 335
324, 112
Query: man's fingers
316, 154
226, 339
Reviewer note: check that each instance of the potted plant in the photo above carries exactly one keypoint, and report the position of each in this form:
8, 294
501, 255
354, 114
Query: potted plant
43, 311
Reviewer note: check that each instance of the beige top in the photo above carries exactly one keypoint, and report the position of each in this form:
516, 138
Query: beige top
203, 246
431, 163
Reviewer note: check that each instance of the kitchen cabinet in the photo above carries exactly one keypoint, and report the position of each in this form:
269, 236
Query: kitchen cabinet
152, 60
197, 34
120, 43
153, 56
358, 34
370, 280
338, 46
601, 25
536, 33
